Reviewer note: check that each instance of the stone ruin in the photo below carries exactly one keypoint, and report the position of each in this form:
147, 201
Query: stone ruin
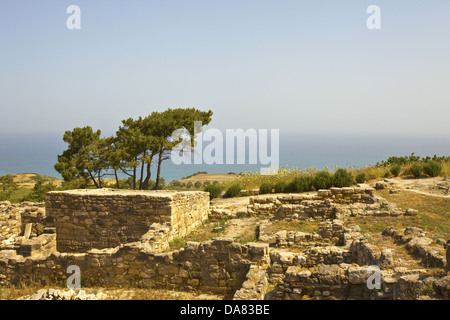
121, 238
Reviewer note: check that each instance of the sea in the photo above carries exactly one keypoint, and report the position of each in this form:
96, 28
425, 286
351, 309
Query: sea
37, 153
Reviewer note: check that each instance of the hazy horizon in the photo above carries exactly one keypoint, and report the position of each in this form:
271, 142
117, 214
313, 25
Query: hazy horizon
38, 153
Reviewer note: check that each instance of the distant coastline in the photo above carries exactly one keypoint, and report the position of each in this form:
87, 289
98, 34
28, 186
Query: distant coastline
37, 153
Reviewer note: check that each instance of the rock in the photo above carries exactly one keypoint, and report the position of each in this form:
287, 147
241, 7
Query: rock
381, 185
357, 275
67, 295
413, 231
411, 212
386, 259
394, 191
304, 274
81, 295
40, 295
442, 287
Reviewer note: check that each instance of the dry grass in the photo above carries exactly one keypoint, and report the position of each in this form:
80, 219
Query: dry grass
434, 212
15, 292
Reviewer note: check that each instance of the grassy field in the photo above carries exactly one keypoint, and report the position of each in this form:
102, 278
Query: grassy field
433, 216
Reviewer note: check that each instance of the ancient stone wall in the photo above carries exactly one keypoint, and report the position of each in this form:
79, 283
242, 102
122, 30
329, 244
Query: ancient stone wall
218, 266
10, 223
432, 254
332, 203
105, 218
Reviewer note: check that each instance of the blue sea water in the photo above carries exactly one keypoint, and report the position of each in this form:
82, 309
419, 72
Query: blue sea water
37, 153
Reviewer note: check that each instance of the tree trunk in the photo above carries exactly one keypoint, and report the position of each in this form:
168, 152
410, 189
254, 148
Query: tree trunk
142, 171
99, 180
117, 179
93, 179
149, 174
159, 169
134, 178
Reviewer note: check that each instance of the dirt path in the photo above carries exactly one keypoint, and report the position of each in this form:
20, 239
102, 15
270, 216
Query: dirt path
438, 186
243, 228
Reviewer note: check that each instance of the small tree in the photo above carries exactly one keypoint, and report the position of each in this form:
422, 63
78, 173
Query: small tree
198, 185
280, 187
8, 186
342, 178
265, 188
39, 191
360, 178
395, 170
323, 180
432, 168
416, 170
300, 184
233, 191
214, 190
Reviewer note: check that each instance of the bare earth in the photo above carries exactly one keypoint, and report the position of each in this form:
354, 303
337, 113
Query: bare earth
429, 186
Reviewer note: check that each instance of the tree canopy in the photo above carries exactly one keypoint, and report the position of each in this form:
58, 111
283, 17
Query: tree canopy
136, 146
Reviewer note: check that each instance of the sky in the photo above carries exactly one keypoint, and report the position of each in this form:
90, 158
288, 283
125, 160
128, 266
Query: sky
303, 67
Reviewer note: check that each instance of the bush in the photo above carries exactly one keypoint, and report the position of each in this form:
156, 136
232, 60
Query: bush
233, 191
360, 178
432, 168
416, 170
323, 180
198, 185
395, 170
342, 178
39, 191
214, 190
265, 187
300, 184
280, 187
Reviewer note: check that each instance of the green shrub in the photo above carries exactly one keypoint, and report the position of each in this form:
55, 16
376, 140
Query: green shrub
265, 187
214, 190
198, 184
323, 180
39, 191
360, 178
189, 185
280, 187
300, 184
432, 168
291, 187
233, 191
342, 178
416, 170
395, 170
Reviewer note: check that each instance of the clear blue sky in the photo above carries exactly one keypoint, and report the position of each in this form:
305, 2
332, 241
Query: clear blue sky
299, 66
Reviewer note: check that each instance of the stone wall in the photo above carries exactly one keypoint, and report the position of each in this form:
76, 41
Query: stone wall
348, 281
105, 218
10, 222
432, 254
332, 203
218, 266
